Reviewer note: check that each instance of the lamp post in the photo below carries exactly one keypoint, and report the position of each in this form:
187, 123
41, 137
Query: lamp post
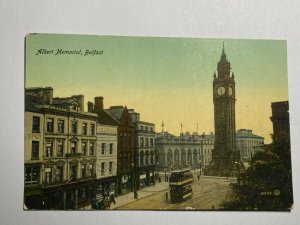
134, 181
165, 175
238, 168
200, 167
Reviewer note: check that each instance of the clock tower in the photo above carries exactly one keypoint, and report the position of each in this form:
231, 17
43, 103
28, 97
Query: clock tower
224, 156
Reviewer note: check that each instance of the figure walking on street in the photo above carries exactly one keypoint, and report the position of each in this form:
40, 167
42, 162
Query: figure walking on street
167, 195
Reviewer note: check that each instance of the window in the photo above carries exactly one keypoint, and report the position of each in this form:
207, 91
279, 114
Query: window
146, 128
141, 142
142, 158
83, 170
121, 139
84, 128
111, 148
74, 107
102, 169
35, 149
110, 167
73, 147
151, 128
73, 171
92, 148
32, 175
74, 127
91, 169
103, 146
151, 142
151, 158
36, 124
59, 173
92, 129
142, 127
146, 142
48, 175
61, 126
83, 148
60, 148
50, 125
49, 148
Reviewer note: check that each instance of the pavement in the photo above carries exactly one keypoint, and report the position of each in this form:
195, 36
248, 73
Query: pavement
142, 193
128, 198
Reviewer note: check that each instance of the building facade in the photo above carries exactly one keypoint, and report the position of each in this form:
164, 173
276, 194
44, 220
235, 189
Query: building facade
106, 157
280, 120
67, 150
144, 140
248, 144
33, 155
125, 149
177, 152
207, 142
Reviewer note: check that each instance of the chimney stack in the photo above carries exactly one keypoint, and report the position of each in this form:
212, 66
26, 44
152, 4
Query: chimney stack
98, 104
90, 107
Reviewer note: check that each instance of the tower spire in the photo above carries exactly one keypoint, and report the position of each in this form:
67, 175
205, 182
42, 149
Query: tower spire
223, 51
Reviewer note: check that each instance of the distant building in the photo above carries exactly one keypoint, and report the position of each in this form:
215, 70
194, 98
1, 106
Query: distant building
125, 149
144, 150
248, 143
60, 145
177, 152
207, 142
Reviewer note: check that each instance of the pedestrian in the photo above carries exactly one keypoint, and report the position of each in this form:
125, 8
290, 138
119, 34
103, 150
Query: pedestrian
167, 195
135, 194
198, 176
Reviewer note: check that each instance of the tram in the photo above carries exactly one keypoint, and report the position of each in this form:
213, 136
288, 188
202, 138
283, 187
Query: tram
181, 185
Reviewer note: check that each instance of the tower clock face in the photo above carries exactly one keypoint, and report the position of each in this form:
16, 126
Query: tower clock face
230, 91
221, 90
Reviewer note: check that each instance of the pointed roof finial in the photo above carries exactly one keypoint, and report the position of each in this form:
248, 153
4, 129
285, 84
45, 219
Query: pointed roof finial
223, 51
214, 74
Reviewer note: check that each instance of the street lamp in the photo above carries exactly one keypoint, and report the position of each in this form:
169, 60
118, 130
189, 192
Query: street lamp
238, 165
165, 175
200, 167
134, 180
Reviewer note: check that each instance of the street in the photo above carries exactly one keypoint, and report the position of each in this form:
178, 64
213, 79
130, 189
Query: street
208, 194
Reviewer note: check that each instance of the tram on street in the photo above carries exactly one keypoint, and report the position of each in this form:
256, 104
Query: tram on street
181, 185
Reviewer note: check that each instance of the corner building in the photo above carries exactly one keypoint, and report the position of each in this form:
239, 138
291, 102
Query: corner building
65, 151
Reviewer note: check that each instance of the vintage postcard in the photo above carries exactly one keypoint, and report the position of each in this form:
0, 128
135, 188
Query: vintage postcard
156, 123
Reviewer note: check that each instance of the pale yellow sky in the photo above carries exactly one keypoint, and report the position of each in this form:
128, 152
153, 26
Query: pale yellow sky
164, 79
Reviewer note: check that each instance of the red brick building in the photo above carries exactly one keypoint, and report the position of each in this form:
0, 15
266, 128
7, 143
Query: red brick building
125, 149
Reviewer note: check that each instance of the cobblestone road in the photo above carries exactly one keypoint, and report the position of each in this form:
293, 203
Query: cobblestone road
209, 193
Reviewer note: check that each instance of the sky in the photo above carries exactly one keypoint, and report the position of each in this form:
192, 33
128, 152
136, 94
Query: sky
163, 78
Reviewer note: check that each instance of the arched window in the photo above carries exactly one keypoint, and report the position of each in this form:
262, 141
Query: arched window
196, 161
170, 157
189, 158
176, 157
183, 160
